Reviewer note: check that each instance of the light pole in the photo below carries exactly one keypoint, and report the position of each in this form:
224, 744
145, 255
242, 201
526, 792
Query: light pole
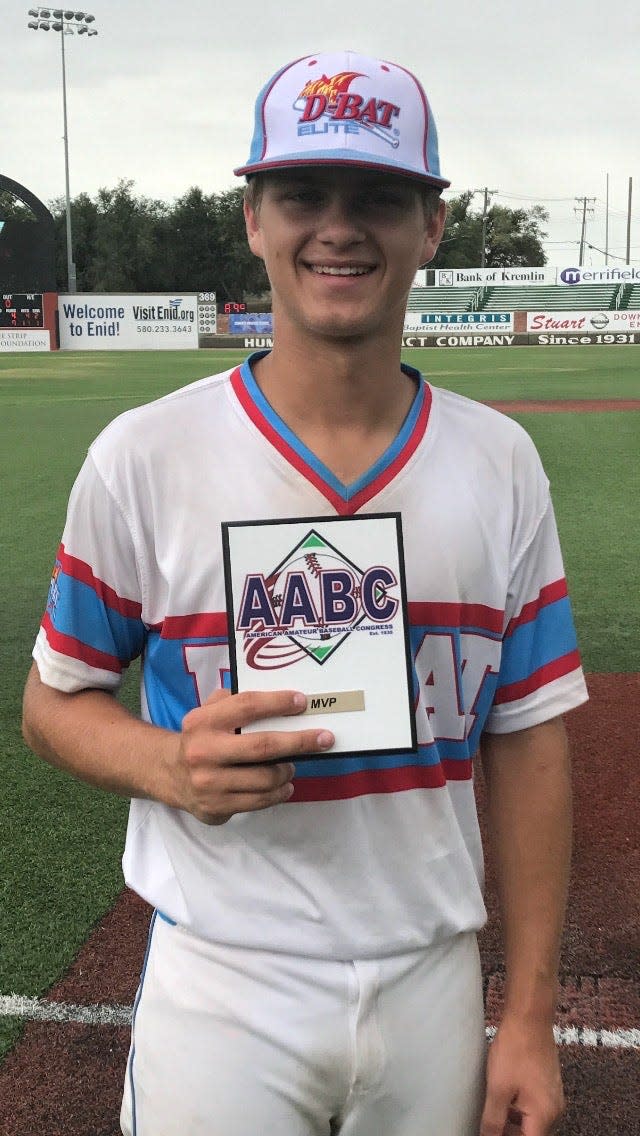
67, 23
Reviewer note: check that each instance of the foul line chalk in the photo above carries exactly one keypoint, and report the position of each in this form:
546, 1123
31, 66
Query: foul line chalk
112, 1014
41, 1010
591, 1038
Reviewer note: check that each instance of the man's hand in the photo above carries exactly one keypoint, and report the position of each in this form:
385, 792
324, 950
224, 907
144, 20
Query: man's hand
524, 1087
206, 769
218, 773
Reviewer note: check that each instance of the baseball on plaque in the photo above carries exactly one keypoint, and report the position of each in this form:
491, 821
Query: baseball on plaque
318, 604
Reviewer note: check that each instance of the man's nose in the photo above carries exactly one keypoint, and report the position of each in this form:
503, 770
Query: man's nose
340, 222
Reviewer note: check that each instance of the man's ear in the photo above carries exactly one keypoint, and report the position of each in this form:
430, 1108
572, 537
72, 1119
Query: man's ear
433, 232
254, 232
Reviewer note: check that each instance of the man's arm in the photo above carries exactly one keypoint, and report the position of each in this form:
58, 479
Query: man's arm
528, 783
206, 768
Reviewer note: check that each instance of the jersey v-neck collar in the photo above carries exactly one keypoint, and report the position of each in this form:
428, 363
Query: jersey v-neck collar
346, 499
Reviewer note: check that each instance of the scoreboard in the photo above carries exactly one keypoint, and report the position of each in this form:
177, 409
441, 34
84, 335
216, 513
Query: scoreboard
21, 310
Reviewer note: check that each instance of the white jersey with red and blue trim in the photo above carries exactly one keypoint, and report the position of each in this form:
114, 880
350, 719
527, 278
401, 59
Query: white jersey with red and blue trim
372, 855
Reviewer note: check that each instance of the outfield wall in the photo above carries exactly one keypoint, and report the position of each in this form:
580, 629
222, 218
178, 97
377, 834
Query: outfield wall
461, 339
37, 322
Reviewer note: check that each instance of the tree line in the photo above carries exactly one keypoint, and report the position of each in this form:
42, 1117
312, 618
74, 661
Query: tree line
124, 242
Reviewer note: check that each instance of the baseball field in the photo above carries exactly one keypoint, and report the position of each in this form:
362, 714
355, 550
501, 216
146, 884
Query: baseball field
72, 941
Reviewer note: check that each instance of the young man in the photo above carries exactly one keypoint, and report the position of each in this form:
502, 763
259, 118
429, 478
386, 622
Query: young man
312, 965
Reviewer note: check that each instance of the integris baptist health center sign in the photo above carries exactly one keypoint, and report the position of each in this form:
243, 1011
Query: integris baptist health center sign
128, 322
435, 322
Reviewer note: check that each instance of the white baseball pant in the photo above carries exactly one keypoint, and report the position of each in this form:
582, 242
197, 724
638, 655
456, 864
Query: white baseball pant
234, 1042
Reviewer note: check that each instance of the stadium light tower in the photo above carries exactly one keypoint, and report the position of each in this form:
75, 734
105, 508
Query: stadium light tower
66, 22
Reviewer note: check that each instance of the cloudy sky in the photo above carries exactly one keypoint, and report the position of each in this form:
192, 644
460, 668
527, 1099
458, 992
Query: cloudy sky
538, 101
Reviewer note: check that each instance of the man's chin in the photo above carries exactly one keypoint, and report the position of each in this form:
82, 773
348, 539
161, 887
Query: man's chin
342, 330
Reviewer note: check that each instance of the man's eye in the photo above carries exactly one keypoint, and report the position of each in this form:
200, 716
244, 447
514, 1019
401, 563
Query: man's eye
303, 196
382, 198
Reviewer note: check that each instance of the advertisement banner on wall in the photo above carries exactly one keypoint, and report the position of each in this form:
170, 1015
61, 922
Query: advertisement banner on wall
128, 322
490, 277
629, 274
25, 340
247, 323
584, 321
465, 340
435, 322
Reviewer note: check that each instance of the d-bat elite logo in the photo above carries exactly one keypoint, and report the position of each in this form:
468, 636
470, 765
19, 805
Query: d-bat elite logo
330, 97
310, 603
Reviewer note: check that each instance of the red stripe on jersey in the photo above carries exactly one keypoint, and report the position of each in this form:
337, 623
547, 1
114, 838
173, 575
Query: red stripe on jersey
550, 671
368, 781
75, 649
548, 595
342, 506
461, 615
383, 479
80, 570
201, 625
283, 447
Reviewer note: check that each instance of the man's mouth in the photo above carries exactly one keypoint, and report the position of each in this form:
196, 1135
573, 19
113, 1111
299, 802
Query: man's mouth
341, 270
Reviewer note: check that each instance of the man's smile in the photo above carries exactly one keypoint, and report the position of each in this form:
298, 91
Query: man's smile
340, 270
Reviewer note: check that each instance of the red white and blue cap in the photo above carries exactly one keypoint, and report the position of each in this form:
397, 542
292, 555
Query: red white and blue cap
345, 109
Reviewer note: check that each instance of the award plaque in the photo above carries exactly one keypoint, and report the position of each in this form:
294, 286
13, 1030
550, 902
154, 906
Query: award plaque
318, 604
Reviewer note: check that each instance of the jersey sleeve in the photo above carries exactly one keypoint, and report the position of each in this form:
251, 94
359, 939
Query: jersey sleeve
92, 627
540, 673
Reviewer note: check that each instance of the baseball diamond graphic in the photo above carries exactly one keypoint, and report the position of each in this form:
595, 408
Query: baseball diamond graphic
314, 575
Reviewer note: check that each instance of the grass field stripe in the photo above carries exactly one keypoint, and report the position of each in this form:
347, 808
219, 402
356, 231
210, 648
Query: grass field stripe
586, 1038
42, 1010
113, 1014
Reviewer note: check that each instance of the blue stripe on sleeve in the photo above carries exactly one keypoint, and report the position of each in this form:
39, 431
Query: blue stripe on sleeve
81, 613
532, 645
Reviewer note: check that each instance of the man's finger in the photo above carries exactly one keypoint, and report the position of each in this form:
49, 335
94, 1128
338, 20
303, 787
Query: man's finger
232, 711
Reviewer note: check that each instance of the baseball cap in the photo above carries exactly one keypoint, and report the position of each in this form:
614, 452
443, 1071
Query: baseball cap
342, 108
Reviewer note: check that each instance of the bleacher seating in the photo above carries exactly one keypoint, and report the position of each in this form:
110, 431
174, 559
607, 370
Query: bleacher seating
553, 297
514, 298
442, 299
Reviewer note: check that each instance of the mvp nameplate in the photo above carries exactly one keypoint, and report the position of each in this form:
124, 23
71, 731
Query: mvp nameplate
335, 702
318, 604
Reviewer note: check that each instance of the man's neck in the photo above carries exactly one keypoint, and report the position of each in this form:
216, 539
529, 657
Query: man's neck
331, 384
346, 403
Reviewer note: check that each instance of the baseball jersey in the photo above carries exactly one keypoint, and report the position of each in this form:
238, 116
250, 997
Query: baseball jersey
374, 854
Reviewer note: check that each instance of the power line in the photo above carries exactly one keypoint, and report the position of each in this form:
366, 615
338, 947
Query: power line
523, 197
613, 254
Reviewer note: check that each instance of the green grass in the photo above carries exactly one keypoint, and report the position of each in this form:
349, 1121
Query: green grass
62, 841
533, 372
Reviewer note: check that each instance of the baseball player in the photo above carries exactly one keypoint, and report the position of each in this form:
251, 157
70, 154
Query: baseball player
312, 965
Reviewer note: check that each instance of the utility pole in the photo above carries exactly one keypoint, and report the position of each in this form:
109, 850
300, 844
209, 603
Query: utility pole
629, 223
585, 205
485, 212
606, 227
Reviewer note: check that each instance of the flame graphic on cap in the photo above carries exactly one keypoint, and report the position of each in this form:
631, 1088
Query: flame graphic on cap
330, 87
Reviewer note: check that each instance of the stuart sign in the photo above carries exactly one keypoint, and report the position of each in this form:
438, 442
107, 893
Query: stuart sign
619, 320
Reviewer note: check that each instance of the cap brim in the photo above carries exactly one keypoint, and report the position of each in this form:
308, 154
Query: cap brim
357, 163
